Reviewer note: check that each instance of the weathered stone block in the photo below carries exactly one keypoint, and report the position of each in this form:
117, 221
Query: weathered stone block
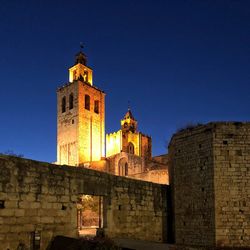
53, 214
7, 212
221, 184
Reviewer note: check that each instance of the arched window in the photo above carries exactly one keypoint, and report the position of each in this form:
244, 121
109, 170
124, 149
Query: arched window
87, 102
131, 148
123, 167
85, 76
74, 75
63, 104
96, 108
71, 101
126, 169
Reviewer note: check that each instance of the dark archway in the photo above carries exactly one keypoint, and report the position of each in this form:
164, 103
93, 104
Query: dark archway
71, 101
123, 167
131, 148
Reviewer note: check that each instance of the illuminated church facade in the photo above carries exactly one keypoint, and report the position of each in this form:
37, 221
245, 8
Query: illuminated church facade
81, 132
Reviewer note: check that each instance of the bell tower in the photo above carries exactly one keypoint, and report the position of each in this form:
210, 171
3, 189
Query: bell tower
79, 71
80, 117
128, 139
128, 123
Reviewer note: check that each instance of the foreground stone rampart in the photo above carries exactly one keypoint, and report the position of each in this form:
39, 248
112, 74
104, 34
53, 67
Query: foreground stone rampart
41, 198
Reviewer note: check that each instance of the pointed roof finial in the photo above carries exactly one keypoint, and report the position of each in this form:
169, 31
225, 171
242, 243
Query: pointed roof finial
80, 56
129, 113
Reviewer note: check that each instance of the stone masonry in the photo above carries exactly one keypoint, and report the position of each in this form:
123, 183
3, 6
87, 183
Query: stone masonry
41, 197
210, 183
80, 117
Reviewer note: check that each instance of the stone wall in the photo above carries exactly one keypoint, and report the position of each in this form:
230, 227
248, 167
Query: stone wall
136, 164
155, 170
41, 197
159, 176
210, 182
67, 126
113, 143
192, 184
146, 146
80, 132
119, 142
231, 147
91, 127
139, 168
161, 159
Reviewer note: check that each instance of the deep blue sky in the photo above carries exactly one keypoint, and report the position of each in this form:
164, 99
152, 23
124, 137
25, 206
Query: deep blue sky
178, 62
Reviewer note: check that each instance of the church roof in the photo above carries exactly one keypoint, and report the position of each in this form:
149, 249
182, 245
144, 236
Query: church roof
81, 58
129, 115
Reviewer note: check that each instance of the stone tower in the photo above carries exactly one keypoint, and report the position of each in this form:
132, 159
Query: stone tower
80, 117
210, 184
128, 139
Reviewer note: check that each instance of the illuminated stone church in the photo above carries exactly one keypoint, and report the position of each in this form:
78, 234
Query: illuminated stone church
81, 132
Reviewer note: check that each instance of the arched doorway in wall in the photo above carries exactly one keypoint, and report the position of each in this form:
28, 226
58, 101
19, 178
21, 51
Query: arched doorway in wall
89, 214
123, 167
131, 148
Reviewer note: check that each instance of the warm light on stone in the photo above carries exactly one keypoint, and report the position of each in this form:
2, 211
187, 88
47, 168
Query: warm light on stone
81, 132
80, 71
128, 139
113, 143
81, 129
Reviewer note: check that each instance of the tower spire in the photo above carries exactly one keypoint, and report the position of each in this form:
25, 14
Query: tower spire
80, 71
80, 56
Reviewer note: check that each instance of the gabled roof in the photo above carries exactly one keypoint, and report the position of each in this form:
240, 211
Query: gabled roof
129, 115
81, 58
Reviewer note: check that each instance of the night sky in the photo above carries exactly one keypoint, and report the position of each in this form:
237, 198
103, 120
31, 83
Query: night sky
177, 62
